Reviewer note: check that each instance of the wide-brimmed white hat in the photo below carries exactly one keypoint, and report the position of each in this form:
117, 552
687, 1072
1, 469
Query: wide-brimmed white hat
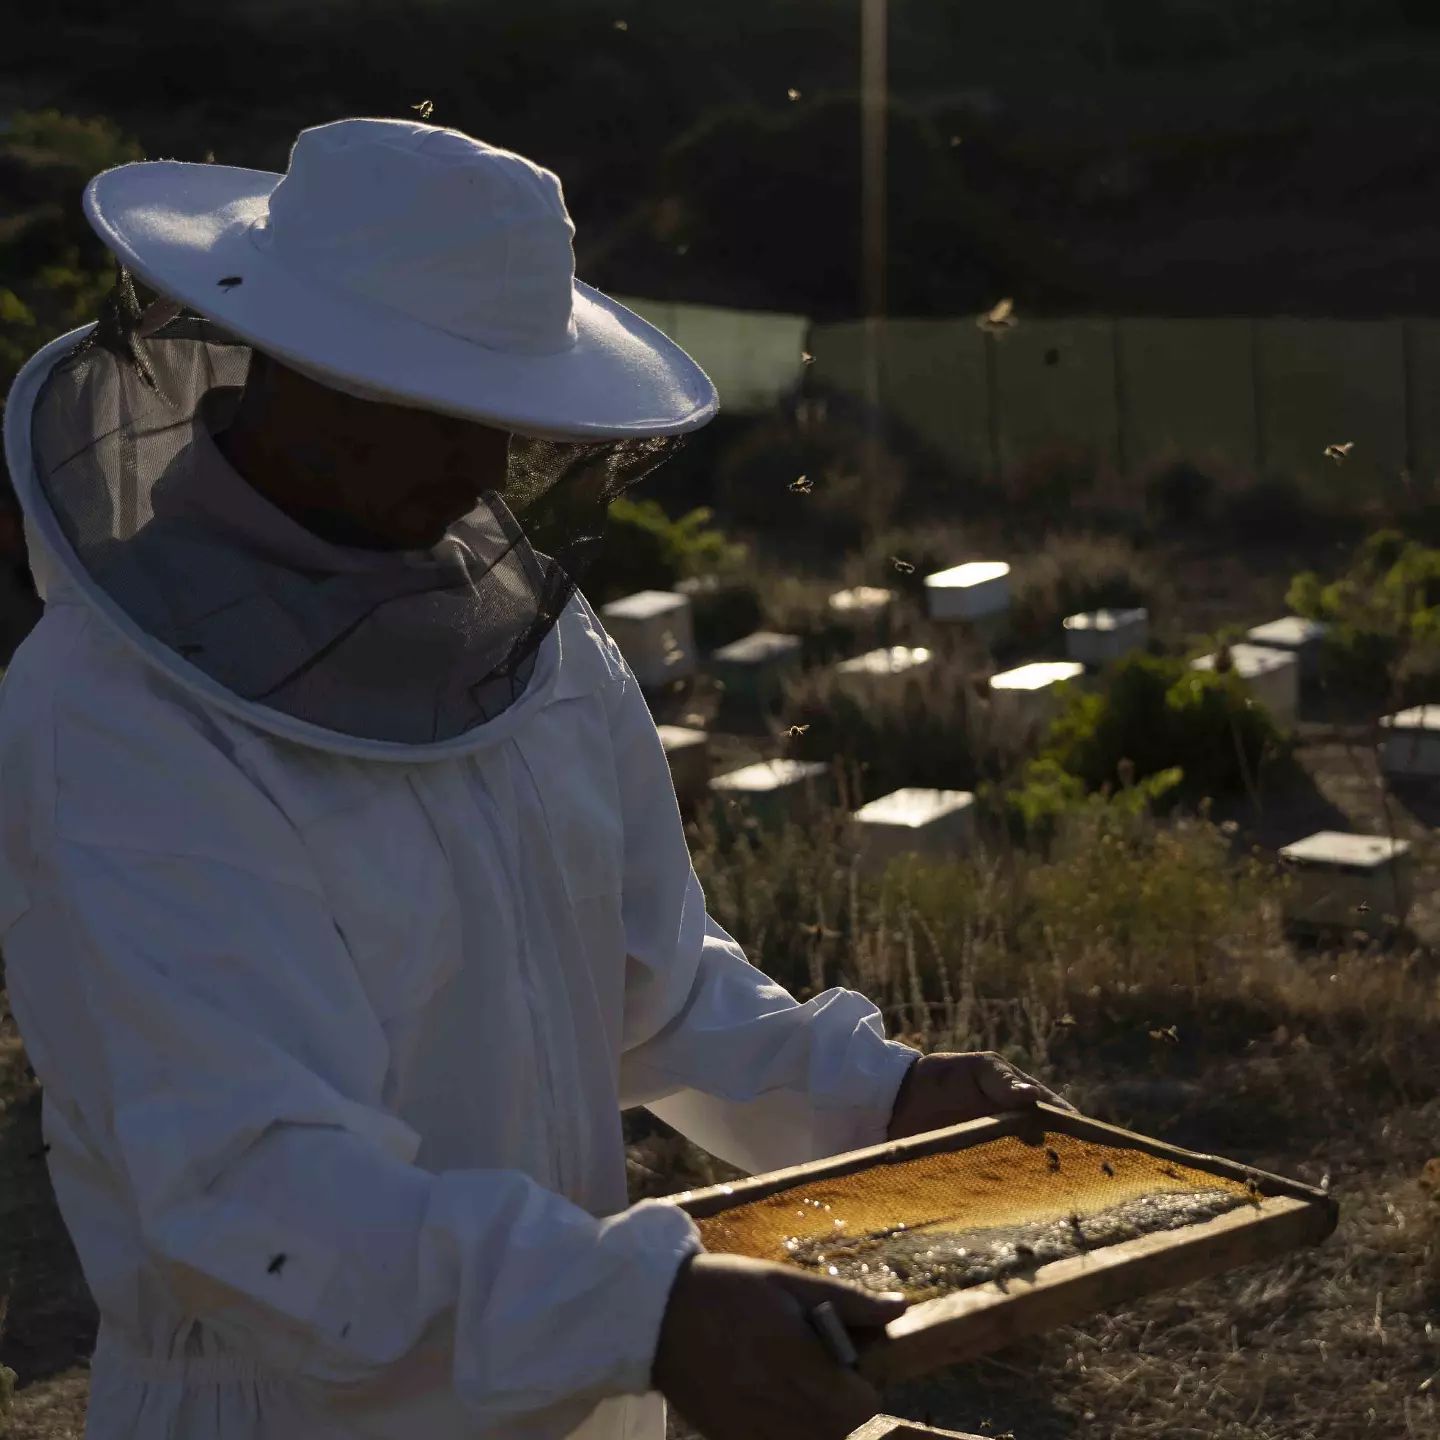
407, 263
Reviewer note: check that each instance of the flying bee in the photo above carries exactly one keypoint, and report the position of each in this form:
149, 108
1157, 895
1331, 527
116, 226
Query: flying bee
802, 485
903, 566
999, 317
425, 109
1052, 1158
229, 282
796, 731
1106, 1168
1339, 453
277, 1263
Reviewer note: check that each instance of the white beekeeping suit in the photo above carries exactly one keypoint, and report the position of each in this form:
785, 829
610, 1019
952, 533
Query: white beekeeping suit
335, 1028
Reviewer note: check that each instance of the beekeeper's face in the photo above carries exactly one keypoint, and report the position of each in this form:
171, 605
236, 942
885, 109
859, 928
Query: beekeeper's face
358, 471
423, 472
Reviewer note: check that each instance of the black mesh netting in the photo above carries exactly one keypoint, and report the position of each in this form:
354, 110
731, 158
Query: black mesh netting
414, 647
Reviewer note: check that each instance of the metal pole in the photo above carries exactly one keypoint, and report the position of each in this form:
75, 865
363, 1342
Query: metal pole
873, 101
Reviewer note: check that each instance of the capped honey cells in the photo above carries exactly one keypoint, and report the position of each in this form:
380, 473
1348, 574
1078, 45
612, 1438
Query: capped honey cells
1001, 1208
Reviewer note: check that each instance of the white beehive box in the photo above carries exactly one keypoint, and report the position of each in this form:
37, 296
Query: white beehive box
776, 790
1302, 638
688, 752
1022, 702
976, 590
886, 669
862, 602
1273, 677
1350, 882
1411, 742
1096, 637
754, 668
936, 824
655, 633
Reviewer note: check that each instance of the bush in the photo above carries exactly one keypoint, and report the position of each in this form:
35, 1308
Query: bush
843, 506
645, 549
56, 271
1179, 494
723, 608
1047, 793
1070, 573
1384, 618
1050, 481
1274, 508
1155, 715
906, 733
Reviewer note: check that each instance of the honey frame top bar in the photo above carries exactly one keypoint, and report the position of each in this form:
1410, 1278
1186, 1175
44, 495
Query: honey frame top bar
1028, 1125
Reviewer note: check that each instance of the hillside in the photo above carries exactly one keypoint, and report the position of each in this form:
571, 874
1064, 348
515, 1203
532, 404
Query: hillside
1178, 157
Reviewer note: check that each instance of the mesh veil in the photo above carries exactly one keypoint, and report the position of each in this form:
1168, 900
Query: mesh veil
413, 647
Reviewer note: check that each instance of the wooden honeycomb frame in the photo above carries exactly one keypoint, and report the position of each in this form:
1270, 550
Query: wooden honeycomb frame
968, 1323
887, 1427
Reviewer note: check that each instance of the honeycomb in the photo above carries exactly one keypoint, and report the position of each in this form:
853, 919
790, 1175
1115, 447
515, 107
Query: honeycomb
945, 1221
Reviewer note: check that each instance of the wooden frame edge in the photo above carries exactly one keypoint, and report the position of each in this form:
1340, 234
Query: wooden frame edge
702, 1203
891, 1427
963, 1326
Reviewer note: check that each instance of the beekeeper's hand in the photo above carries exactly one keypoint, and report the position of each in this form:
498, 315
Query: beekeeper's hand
739, 1359
940, 1090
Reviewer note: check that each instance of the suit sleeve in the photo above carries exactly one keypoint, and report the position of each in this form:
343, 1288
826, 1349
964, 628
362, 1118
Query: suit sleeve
713, 1046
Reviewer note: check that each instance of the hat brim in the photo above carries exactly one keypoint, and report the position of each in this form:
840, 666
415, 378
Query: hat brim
187, 231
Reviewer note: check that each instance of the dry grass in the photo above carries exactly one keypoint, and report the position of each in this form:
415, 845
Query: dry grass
1145, 968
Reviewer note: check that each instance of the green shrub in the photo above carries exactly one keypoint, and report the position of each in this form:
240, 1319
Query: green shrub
645, 549
1154, 715
56, 271
1384, 618
1047, 794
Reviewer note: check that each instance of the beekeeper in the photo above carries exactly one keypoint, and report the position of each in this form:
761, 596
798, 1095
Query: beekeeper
344, 898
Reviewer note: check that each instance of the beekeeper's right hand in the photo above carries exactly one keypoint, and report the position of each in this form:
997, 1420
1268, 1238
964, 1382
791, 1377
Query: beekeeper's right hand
738, 1357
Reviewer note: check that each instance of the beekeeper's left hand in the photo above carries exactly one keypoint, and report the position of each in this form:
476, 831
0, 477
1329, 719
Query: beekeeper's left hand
940, 1090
